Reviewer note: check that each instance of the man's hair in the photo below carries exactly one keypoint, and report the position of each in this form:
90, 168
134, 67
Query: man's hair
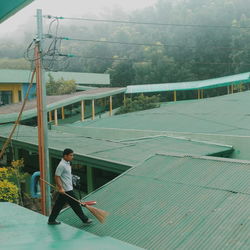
67, 151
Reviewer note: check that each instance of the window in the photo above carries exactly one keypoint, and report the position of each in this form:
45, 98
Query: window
19, 95
5, 97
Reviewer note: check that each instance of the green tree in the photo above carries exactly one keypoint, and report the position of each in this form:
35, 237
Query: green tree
140, 102
14, 63
121, 73
60, 87
241, 39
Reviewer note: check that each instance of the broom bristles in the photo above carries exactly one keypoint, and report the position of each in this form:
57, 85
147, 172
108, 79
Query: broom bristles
98, 213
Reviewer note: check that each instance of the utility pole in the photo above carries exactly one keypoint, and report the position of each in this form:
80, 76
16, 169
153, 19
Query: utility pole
42, 118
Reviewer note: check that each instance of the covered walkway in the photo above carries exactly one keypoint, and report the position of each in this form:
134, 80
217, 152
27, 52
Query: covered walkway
9, 113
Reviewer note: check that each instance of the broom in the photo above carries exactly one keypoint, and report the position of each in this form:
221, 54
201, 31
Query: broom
98, 213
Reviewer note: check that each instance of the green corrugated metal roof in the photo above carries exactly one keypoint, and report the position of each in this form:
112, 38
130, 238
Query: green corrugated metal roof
23, 76
177, 202
83, 78
240, 143
141, 149
127, 153
62, 101
15, 76
203, 84
83, 88
227, 114
10, 7
24, 229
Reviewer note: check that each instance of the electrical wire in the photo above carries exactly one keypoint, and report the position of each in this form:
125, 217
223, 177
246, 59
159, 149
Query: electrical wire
150, 61
148, 44
51, 57
147, 23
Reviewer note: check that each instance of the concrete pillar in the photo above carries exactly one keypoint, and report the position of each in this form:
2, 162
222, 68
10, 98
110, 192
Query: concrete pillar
82, 110
90, 180
199, 94
110, 105
124, 100
175, 96
55, 116
93, 109
50, 116
232, 88
63, 115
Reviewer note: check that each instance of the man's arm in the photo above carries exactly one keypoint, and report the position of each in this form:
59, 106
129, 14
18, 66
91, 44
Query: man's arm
59, 184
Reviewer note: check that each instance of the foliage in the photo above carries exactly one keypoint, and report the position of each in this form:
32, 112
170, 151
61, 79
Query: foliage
140, 102
8, 190
11, 63
171, 53
60, 87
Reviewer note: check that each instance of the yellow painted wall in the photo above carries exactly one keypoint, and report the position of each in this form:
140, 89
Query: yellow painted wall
14, 88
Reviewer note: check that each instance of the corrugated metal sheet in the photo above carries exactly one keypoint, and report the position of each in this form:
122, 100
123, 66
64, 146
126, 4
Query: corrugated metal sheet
203, 84
227, 114
23, 76
10, 7
82, 78
141, 149
129, 152
55, 102
24, 229
175, 202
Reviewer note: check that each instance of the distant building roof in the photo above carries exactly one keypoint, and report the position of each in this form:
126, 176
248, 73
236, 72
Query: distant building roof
9, 113
203, 84
23, 76
228, 114
82, 78
22, 228
177, 202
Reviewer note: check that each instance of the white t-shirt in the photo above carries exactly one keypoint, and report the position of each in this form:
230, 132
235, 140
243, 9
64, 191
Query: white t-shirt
63, 170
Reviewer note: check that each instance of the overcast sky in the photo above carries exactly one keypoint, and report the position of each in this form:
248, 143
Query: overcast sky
67, 8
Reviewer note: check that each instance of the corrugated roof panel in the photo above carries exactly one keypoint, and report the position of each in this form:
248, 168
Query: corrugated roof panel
10, 7
172, 202
129, 153
140, 150
203, 84
227, 114
23, 76
9, 113
227, 227
82, 78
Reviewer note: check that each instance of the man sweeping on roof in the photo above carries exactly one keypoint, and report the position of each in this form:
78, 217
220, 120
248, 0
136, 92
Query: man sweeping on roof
64, 184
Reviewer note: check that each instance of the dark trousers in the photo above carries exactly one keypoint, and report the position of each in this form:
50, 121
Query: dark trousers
61, 200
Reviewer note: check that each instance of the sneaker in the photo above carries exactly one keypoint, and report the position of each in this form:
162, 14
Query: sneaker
87, 222
54, 222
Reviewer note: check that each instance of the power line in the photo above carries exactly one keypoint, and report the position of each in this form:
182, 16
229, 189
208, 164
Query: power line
148, 23
150, 61
146, 44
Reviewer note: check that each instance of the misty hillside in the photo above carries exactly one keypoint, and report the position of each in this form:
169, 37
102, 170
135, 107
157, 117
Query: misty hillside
178, 41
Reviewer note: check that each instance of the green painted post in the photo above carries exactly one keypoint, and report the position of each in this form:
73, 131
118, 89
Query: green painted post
90, 182
16, 154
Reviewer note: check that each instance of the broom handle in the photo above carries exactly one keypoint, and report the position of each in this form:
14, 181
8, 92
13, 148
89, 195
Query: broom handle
63, 193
